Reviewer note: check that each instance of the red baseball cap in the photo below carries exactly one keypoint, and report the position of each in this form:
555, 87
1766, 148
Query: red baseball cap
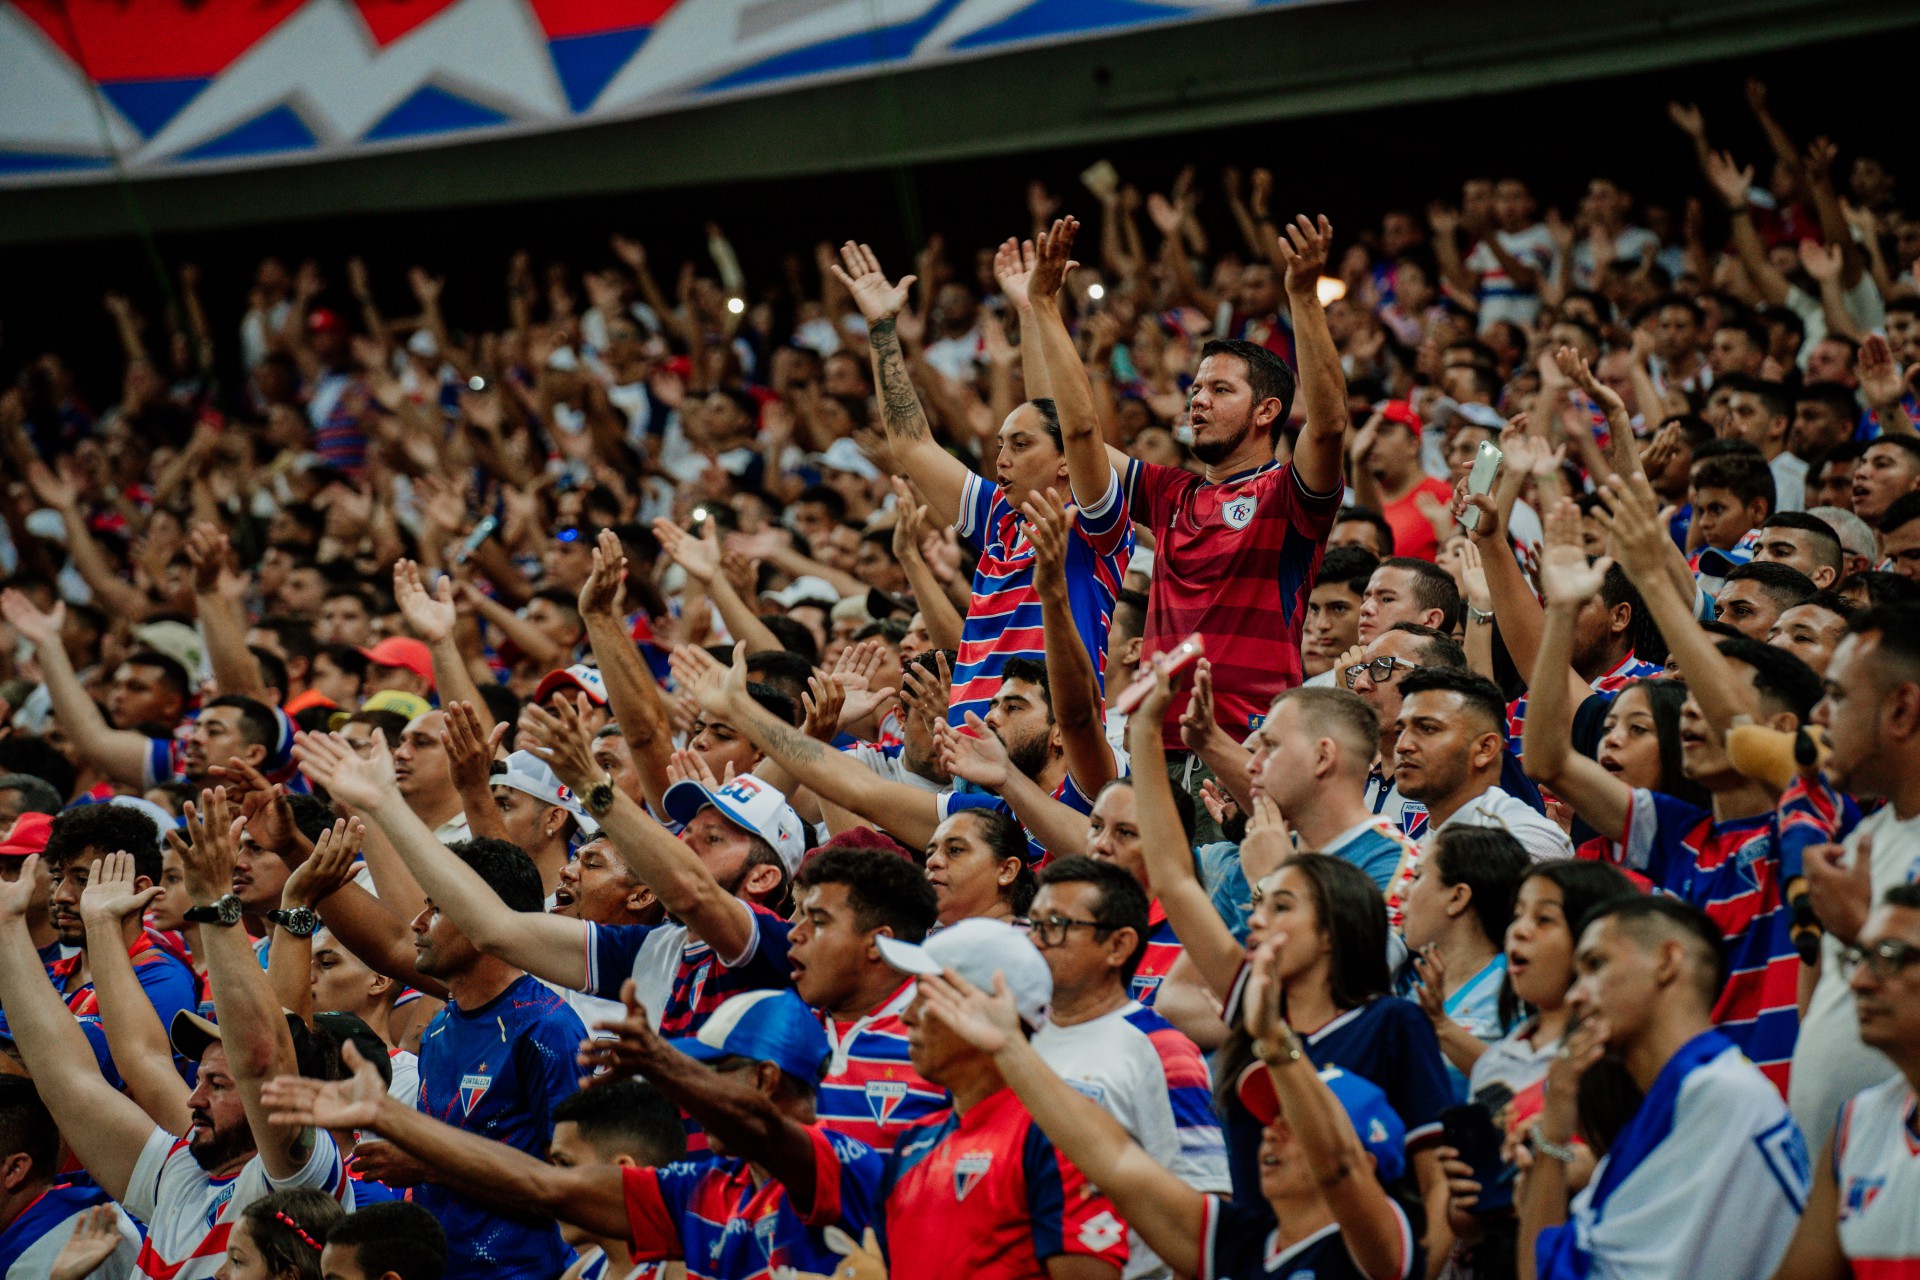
1401, 411
323, 320
403, 651
29, 834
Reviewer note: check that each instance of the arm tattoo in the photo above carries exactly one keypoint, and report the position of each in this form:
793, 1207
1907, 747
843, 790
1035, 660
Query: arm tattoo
783, 741
899, 404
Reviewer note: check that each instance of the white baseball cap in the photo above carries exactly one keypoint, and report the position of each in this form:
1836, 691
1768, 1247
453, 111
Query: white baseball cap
748, 802
976, 949
844, 455
529, 774
805, 587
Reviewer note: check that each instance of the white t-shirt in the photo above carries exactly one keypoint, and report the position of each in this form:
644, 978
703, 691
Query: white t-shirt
1113, 1062
405, 1088
1789, 482
1500, 298
1830, 1064
1540, 835
1879, 1180
188, 1214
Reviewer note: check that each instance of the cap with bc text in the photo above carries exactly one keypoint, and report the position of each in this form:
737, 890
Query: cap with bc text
976, 949
764, 1026
747, 802
578, 677
1381, 1130
529, 774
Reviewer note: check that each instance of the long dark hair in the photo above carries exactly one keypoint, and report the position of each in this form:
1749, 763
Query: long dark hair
289, 1227
1008, 840
1583, 885
1664, 700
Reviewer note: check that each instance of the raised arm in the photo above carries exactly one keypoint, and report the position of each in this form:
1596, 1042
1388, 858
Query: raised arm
1078, 712
591, 1197
981, 758
1622, 450
1089, 471
1303, 249
1171, 875
1735, 186
105, 1129
1547, 741
700, 557
550, 947
632, 692
115, 594
1201, 734
253, 1032
290, 957
235, 669
943, 621
121, 754
1168, 1214
135, 1037
940, 475
661, 860
432, 617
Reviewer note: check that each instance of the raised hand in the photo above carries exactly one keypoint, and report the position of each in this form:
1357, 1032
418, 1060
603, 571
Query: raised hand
1196, 722
429, 616
329, 868
690, 766
110, 897
1265, 1020
1305, 247
987, 1022
822, 703
18, 894
1822, 261
1730, 180
350, 778
1565, 576
1631, 515
1268, 841
600, 593
974, 753
41, 627
1687, 118
208, 856
867, 284
95, 1237
1013, 265
263, 806
1573, 366
1166, 215
353, 1103
1879, 376
1053, 258
633, 1046
470, 753
560, 738
207, 548
1049, 525
1431, 990
56, 491
696, 672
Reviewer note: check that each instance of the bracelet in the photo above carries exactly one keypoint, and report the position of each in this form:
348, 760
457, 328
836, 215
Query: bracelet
1290, 1050
1561, 1151
1481, 616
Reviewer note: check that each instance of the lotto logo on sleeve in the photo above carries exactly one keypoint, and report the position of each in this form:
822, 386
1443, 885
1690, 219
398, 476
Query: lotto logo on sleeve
968, 1170
472, 1089
1101, 1232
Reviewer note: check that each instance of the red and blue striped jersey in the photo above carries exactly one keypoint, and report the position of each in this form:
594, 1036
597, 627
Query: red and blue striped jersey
1003, 618
729, 1226
1233, 560
871, 1092
1607, 686
1731, 870
1203, 1147
986, 1196
1163, 948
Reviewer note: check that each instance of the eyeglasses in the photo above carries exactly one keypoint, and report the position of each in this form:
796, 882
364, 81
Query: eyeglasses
1380, 670
1051, 931
1883, 959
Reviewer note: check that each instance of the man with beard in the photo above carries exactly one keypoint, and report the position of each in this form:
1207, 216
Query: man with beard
190, 1177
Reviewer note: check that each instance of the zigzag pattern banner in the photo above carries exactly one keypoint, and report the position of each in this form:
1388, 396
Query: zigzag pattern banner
167, 87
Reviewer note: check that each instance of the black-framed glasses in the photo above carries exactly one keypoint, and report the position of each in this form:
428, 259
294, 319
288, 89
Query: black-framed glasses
1052, 931
1883, 959
1380, 670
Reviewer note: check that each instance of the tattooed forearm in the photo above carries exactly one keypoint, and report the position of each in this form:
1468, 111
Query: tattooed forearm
899, 403
794, 750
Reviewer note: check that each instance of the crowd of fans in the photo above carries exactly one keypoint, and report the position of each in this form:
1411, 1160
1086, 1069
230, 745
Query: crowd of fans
1067, 761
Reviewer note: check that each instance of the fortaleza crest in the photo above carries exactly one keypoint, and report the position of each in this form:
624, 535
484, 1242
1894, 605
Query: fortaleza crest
1238, 512
884, 1098
472, 1089
968, 1170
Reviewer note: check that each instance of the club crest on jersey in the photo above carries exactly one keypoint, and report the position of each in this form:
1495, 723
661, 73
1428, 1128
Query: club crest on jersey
763, 1229
1238, 513
472, 1089
1861, 1193
884, 1098
968, 1170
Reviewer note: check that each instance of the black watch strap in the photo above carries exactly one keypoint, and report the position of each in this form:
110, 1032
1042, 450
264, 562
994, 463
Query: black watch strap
301, 922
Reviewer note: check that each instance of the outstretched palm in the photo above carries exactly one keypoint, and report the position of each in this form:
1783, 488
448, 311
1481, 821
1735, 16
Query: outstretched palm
430, 615
877, 299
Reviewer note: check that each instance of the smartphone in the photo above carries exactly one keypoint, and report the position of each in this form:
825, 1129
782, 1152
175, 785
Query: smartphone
1470, 1130
487, 527
1173, 662
1486, 465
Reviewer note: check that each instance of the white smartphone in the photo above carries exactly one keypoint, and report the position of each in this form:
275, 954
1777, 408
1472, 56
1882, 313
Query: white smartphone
1486, 465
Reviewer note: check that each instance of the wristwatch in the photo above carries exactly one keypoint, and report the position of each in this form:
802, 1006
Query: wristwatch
600, 798
1481, 616
224, 910
301, 922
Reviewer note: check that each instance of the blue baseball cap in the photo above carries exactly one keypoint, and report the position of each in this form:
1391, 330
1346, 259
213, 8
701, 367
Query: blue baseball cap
1718, 564
1381, 1130
765, 1026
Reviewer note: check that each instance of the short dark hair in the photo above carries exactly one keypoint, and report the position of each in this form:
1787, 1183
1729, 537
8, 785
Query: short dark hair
1433, 588
506, 868
36, 794
1694, 429
1783, 584
1440, 650
273, 668
294, 634
1743, 473
258, 725
1367, 515
775, 703
1033, 671
1902, 510
27, 1127
1833, 602
1645, 913
829, 498
1883, 587
1773, 395
794, 634
1267, 374
1897, 625
397, 1236
1902, 895
1122, 905
1905, 444
1476, 691
884, 890
1490, 862
20, 753
172, 674
1682, 301
628, 1117
1746, 325
1133, 605
1778, 676
1826, 541
1830, 395
1349, 566
104, 829
783, 669
346, 657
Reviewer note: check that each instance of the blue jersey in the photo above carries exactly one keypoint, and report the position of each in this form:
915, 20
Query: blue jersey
499, 1071
30, 1243
729, 1226
1241, 1242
